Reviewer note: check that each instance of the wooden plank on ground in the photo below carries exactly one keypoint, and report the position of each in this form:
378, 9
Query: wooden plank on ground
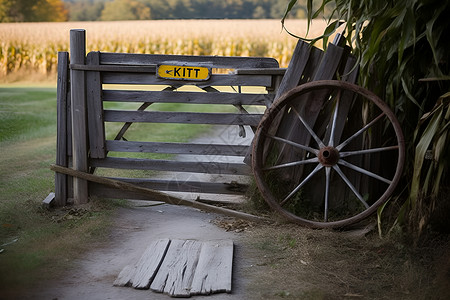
182, 268
148, 265
155, 195
141, 274
177, 270
173, 185
214, 268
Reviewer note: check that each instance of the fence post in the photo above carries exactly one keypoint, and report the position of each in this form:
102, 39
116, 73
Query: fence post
61, 188
79, 124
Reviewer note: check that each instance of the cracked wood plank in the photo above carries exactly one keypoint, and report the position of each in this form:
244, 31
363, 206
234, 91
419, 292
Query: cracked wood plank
177, 270
182, 268
142, 273
214, 269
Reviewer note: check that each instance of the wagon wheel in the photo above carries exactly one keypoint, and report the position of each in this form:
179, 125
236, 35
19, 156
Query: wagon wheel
337, 171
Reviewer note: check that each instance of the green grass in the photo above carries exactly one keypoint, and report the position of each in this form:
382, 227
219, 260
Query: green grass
27, 148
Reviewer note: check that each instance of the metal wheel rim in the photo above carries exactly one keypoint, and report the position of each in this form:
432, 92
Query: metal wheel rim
257, 155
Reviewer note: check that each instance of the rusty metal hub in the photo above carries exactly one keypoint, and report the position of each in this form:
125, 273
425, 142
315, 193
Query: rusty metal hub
328, 156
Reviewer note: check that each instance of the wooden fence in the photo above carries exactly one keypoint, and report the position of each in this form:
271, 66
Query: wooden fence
88, 84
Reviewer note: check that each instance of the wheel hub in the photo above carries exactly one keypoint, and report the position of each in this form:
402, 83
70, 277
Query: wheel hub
328, 156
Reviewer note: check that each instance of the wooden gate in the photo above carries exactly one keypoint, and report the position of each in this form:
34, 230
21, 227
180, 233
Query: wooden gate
99, 91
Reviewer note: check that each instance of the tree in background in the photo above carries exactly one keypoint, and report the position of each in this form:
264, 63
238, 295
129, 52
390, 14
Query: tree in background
404, 57
32, 11
125, 10
91, 10
86, 10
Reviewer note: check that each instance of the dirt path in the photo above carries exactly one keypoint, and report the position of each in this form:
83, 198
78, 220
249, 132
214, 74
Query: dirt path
135, 228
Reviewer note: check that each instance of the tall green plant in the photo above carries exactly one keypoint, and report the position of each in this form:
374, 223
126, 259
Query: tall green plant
404, 56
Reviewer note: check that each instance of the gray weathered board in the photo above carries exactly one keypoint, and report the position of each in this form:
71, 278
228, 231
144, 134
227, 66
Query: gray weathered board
182, 268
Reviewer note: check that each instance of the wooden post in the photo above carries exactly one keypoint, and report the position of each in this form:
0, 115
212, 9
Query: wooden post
61, 188
78, 95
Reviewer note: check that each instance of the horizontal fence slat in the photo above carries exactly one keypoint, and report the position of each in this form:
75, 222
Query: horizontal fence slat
176, 148
270, 71
231, 188
171, 166
114, 68
182, 117
187, 97
227, 62
214, 80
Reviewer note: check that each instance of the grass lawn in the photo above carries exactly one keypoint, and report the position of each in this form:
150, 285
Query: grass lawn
31, 238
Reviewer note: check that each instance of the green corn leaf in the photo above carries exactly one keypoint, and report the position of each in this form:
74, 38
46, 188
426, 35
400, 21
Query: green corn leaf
288, 9
309, 14
421, 148
379, 214
430, 34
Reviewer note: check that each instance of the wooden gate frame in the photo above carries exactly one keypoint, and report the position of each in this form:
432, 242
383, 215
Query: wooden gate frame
81, 142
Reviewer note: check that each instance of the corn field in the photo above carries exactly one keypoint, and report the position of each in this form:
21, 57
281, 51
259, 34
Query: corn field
33, 47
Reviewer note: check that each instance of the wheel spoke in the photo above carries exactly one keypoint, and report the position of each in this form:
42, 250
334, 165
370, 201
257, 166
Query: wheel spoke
350, 185
347, 141
327, 192
364, 171
303, 147
366, 151
333, 124
294, 163
318, 167
313, 134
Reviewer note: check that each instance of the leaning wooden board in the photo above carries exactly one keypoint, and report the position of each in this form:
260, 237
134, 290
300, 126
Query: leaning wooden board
182, 268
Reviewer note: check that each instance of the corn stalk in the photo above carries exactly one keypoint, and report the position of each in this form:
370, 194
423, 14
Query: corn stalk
404, 56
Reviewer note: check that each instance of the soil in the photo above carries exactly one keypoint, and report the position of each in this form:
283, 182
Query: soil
273, 261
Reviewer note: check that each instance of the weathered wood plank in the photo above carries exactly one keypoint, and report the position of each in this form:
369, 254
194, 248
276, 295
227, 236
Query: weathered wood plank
301, 68
227, 188
95, 109
48, 201
296, 68
170, 165
308, 106
187, 97
182, 117
226, 62
176, 148
214, 268
124, 277
215, 80
78, 92
62, 159
155, 195
260, 71
114, 68
177, 269
148, 265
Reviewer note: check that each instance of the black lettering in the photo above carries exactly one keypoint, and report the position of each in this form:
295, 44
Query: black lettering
196, 72
176, 70
189, 71
184, 72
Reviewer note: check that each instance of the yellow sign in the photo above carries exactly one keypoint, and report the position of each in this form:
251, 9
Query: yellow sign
183, 72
